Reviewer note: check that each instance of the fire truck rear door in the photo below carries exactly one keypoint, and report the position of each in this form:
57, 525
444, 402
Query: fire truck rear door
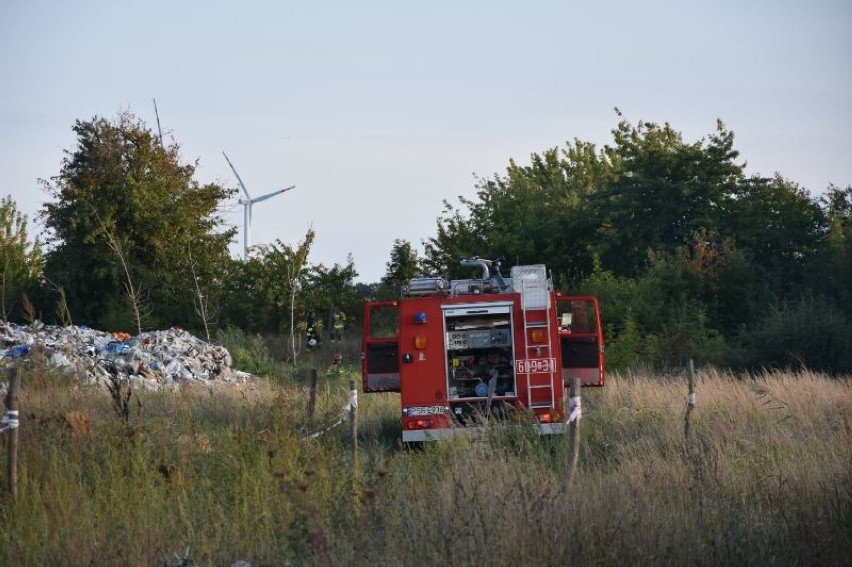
380, 347
581, 339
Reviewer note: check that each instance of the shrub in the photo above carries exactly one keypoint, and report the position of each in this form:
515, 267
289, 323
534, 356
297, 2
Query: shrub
810, 332
249, 352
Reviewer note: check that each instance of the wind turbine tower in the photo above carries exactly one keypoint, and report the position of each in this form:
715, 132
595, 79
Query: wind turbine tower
247, 204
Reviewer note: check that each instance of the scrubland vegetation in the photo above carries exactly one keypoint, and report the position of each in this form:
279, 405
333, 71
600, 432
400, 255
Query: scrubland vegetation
765, 478
691, 256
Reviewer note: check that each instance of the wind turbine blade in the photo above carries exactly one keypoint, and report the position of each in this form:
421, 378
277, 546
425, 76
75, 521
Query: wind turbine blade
268, 195
238, 176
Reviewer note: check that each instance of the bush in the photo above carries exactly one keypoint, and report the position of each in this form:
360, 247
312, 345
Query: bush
249, 352
810, 332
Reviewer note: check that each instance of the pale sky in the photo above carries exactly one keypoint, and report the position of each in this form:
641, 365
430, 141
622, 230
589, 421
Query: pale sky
379, 110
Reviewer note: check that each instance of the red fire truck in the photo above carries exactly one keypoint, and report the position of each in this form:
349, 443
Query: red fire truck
463, 350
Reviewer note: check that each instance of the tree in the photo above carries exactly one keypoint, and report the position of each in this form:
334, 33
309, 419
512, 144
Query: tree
267, 291
20, 260
663, 190
120, 181
296, 269
263, 294
649, 190
832, 268
333, 289
455, 238
135, 296
533, 214
780, 228
403, 265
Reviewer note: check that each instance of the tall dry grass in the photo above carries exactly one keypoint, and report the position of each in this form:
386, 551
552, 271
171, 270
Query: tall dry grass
763, 480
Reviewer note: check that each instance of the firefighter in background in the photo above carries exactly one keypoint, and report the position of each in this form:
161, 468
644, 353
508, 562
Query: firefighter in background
311, 332
338, 325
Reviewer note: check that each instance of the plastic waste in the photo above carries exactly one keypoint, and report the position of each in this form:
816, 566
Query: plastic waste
18, 351
155, 359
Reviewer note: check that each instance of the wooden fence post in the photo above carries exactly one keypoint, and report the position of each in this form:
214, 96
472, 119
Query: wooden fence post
353, 433
11, 419
353, 421
690, 402
312, 400
574, 415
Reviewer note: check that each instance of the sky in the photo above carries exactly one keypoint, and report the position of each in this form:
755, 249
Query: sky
378, 111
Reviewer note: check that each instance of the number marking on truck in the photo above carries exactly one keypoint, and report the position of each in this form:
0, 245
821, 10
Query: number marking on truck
536, 365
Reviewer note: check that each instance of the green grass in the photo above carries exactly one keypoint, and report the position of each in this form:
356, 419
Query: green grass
764, 480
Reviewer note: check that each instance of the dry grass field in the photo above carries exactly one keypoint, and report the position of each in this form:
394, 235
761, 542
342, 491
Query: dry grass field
765, 478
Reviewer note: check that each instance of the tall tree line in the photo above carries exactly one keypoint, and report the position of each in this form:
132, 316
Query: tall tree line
691, 257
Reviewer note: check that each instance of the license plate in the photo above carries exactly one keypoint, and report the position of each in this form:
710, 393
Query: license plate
417, 411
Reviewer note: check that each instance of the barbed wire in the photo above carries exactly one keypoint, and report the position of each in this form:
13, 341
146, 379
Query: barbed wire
351, 403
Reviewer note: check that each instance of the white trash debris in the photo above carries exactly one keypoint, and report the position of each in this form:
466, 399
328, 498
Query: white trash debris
152, 360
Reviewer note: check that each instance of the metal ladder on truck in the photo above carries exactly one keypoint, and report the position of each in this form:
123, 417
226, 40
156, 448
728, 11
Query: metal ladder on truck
542, 352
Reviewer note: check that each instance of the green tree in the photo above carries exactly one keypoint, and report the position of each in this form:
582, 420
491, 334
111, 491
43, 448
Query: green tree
332, 289
664, 190
295, 263
243, 285
121, 189
20, 260
271, 291
455, 238
533, 214
780, 228
403, 265
832, 268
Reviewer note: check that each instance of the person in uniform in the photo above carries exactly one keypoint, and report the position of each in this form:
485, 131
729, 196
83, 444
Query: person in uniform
338, 326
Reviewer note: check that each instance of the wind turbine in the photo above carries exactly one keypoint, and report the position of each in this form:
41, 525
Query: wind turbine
247, 203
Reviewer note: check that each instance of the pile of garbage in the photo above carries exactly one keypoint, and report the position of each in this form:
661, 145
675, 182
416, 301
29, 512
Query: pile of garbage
152, 360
